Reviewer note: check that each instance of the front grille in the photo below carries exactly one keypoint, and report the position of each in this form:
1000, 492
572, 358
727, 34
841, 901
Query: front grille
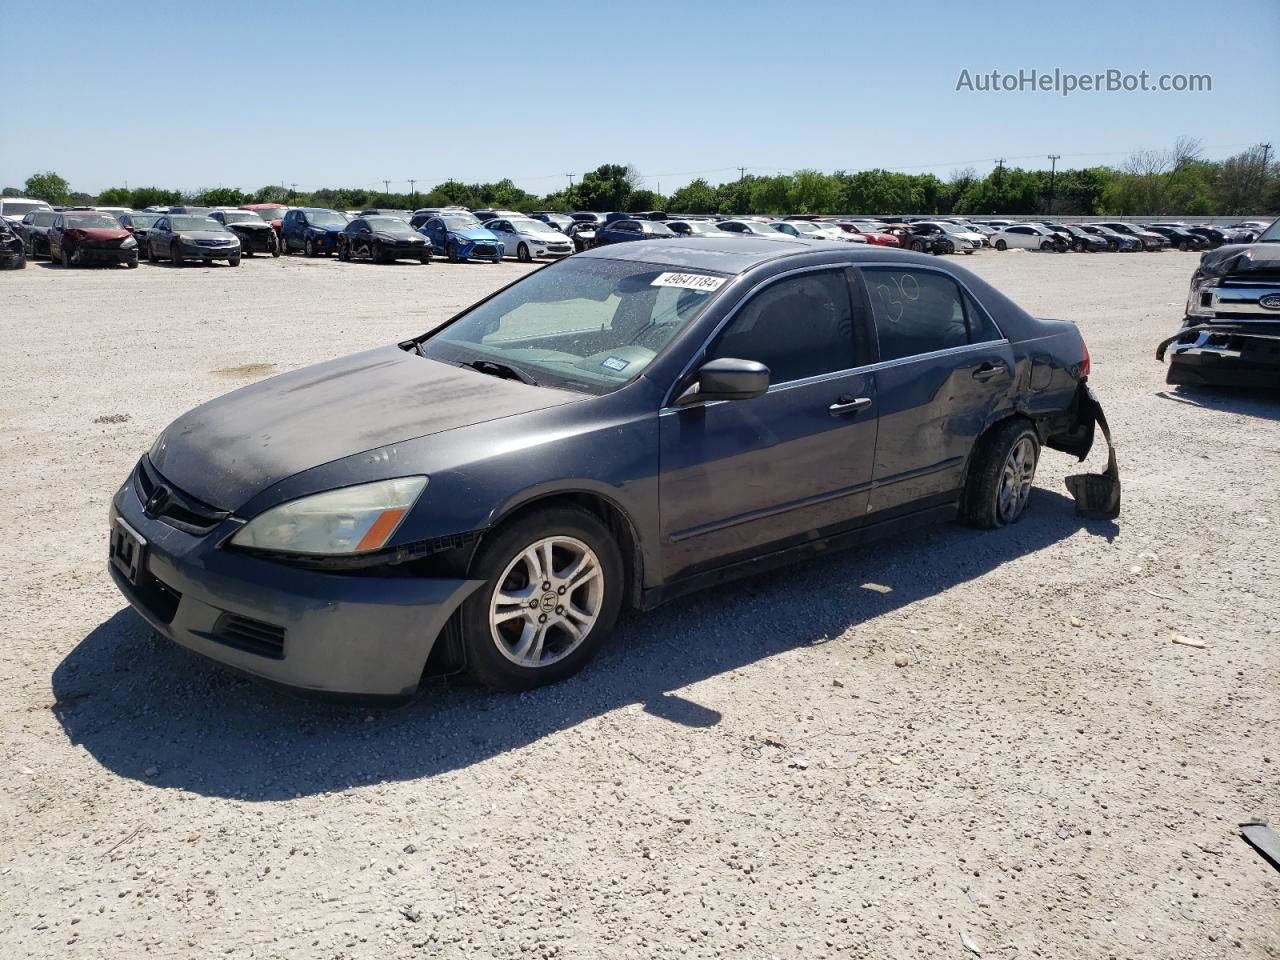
104, 244
177, 509
484, 250
213, 243
251, 636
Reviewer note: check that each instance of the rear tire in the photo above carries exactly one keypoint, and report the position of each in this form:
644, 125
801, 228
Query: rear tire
1001, 474
586, 595
66, 258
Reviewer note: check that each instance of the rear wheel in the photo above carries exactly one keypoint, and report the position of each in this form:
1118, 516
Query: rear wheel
151, 253
553, 588
66, 257
1001, 474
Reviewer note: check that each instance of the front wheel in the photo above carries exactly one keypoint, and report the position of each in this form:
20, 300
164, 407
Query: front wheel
66, 258
1002, 245
175, 255
344, 252
522, 253
233, 261
553, 588
309, 247
452, 252
132, 262
1001, 474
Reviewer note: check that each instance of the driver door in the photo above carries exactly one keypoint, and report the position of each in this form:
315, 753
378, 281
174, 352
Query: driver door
744, 477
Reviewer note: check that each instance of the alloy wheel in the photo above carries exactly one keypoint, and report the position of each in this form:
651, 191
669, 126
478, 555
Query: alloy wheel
547, 601
1016, 480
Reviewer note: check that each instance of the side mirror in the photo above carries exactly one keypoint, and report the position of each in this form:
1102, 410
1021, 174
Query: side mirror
727, 379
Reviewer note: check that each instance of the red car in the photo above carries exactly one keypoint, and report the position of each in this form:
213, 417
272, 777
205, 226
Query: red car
80, 237
273, 213
873, 236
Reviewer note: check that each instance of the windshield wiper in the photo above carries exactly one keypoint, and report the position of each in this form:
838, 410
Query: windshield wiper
495, 369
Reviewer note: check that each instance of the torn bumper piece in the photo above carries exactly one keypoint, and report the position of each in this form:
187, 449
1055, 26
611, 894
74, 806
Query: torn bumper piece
357, 635
1096, 494
1223, 354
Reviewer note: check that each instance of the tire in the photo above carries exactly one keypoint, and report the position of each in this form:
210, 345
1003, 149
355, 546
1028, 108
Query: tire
275, 248
233, 261
492, 646
1078, 245
284, 246
151, 253
132, 262
1046, 246
1002, 245
1001, 473
309, 247
175, 255
522, 253
21, 262
66, 258
1184, 246
917, 246
344, 252
376, 253
425, 259
451, 252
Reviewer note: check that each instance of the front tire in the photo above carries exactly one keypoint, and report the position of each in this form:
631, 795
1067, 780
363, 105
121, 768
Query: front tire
132, 262
1002, 245
1001, 475
175, 255
452, 252
522, 253
308, 247
553, 588
66, 258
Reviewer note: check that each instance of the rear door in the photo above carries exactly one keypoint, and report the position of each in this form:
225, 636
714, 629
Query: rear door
943, 368
740, 478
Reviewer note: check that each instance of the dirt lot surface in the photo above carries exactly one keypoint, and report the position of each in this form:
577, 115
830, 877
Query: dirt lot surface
745, 773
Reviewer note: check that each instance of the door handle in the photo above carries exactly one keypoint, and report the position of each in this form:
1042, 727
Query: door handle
988, 370
845, 405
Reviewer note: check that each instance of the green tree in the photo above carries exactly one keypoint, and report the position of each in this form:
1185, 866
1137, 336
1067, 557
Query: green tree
144, 197
49, 187
608, 187
695, 197
220, 197
116, 197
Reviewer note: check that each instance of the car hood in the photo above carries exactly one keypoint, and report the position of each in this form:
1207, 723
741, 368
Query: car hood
98, 233
248, 225
205, 235
229, 449
476, 234
1241, 258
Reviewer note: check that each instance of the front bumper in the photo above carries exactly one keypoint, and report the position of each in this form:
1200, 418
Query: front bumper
363, 636
257, 241
1226, 355
481, 250
83, 255
192, 251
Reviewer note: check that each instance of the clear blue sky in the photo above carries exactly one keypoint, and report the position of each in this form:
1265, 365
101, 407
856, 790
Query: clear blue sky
335, 93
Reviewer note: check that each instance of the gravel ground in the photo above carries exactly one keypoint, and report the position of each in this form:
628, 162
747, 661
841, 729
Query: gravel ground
743, 773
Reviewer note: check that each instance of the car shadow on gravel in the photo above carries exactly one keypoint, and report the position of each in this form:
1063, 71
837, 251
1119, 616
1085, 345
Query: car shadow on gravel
149, 711
1252, 402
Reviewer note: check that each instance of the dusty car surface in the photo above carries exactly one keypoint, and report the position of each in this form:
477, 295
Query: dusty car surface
382, 240
254, 233
180, 238
86, 237
615, 429
1231, 333
12, 254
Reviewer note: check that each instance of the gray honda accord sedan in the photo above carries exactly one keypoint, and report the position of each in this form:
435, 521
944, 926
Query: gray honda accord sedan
617, 428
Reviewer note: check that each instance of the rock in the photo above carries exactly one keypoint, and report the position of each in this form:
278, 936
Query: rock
1077, 622
410, 848
410, 914
1189, 642
901, 661
896, 761
968, 944
837, 683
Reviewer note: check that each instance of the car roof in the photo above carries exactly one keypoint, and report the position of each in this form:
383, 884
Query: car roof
733, 253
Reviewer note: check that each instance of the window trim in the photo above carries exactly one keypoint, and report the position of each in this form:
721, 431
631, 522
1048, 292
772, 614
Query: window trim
967, 297
673, 391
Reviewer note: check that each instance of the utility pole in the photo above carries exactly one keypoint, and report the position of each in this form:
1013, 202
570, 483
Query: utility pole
1000, 171
570, 176
1053, 168
1262, 177
386, 186
742, 173
413, 194
293, 188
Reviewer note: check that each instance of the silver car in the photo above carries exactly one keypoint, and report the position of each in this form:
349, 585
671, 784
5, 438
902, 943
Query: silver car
528, 238
182, 237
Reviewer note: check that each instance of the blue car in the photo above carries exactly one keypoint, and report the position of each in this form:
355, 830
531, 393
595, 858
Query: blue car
462, 238
313, 230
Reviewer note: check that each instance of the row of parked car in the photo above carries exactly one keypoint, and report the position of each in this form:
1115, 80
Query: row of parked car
83, 235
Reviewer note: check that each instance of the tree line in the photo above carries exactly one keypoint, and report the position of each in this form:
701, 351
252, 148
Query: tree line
1178, 181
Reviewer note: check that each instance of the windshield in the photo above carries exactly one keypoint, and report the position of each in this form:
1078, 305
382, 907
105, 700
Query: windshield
20, 208
196, 223
657, 229
583, 324
529, 226
94, 221
326, 218
1271, 234
392, 225
143, 220
243, 216
803, 226
461, 223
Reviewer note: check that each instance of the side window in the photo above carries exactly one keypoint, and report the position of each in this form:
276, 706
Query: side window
982, 329
798, 327
915, 312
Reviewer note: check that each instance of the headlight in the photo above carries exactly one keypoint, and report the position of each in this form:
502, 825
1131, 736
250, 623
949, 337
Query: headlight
129, 242
1195, 299
346, 521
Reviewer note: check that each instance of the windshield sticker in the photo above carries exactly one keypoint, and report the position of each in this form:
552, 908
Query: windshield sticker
689, 281
615, 363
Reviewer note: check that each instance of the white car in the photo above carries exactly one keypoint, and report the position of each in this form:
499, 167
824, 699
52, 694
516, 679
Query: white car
972, 240
528, 238
813, 231
14, 209
1026, 236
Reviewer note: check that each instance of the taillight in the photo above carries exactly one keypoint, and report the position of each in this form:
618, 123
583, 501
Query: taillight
1086, 364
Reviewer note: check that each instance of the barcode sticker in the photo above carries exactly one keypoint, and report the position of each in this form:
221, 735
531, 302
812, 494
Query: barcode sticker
689, 281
